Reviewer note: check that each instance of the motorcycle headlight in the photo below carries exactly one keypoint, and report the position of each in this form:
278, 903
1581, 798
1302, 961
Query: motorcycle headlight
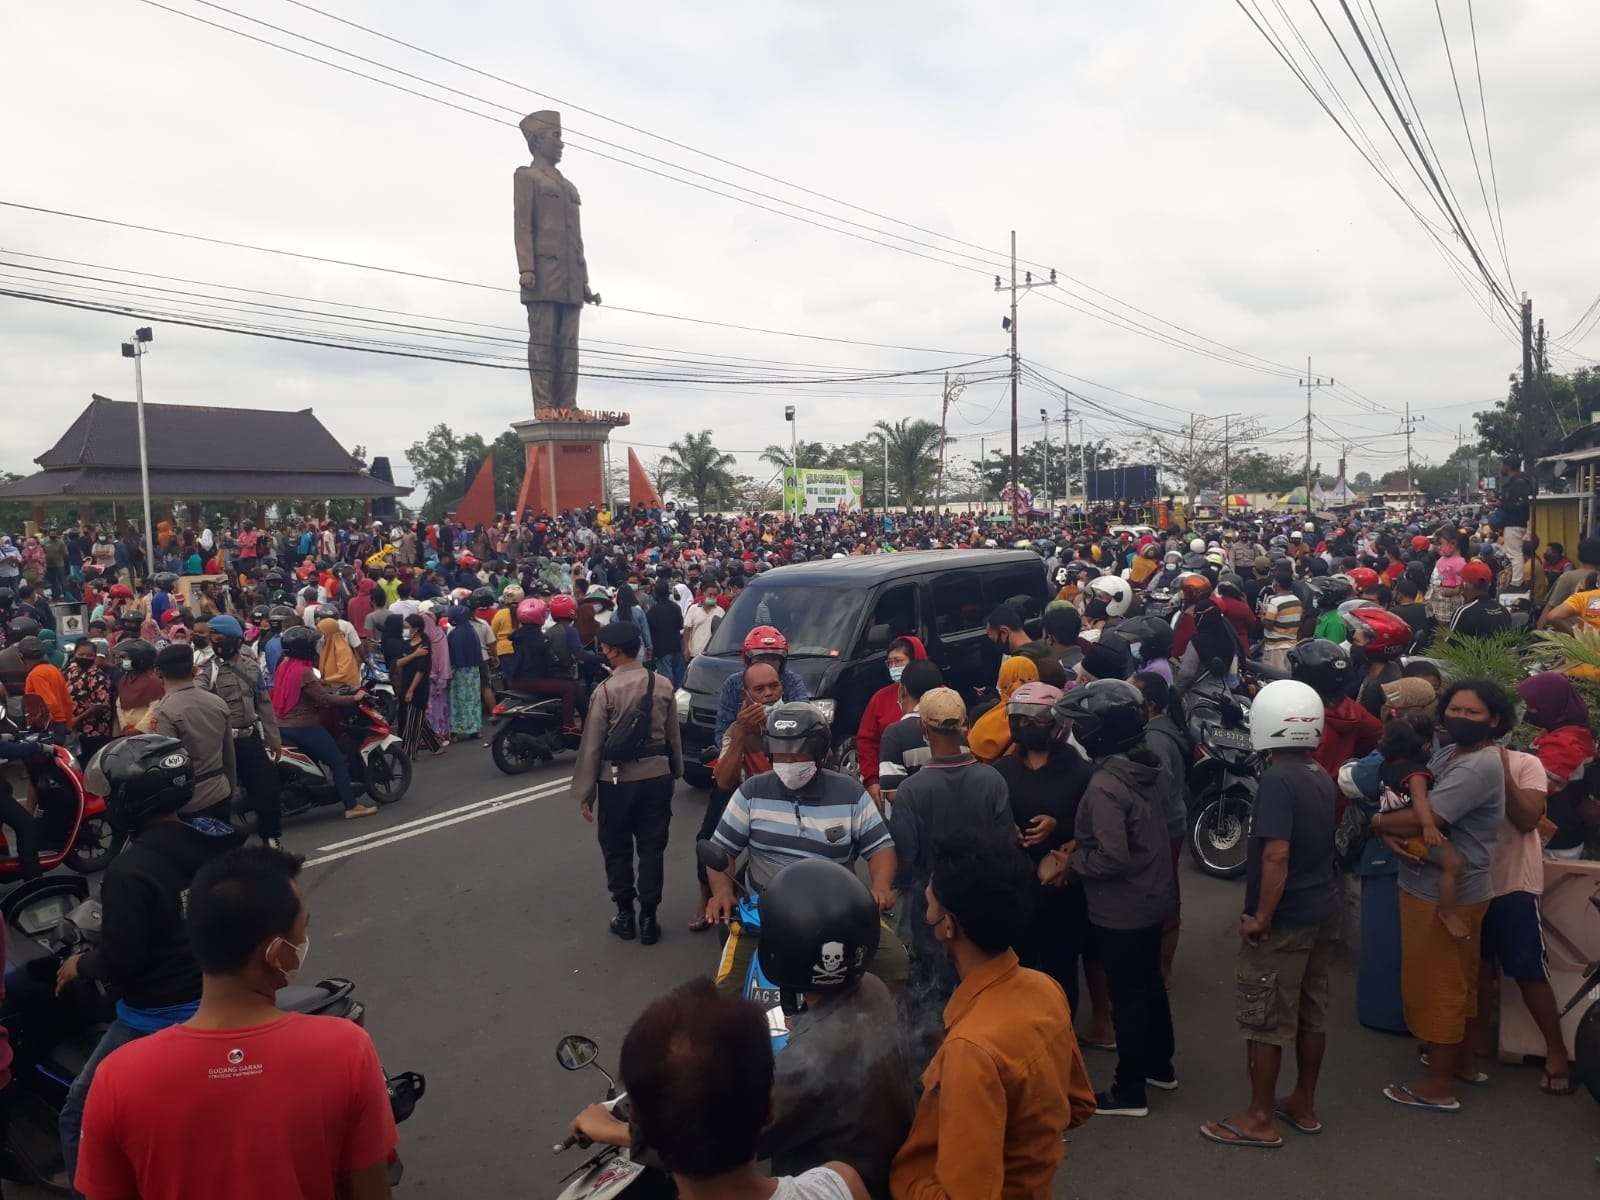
682, 697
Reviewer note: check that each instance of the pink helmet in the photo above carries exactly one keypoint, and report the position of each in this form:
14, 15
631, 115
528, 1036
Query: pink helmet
531, 611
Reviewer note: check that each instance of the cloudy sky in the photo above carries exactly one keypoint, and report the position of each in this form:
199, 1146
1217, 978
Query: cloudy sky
1158, 151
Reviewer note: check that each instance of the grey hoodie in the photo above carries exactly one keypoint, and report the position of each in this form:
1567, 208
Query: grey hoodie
1171, 747
1123, 855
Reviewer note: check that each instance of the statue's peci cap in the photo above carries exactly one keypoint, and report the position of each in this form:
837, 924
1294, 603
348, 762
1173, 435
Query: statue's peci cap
538, 122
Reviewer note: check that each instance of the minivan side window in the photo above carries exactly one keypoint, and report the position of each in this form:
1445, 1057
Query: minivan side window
958, 604
1027, 581
897, 608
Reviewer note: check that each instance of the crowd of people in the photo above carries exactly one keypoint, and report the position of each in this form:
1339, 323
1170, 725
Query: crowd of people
1020, 844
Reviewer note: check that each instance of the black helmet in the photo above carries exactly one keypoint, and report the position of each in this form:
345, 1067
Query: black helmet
1322, 664
326, 611
164, 579
21, 627
1107, 716
300, 642
281, 615
481, 598
130, 616
259, 614
819, 928
1330, 591
796, 727
8, 597
1152, 634
143, 776
134, 654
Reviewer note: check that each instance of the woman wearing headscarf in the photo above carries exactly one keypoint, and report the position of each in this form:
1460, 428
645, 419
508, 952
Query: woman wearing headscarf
466, 677
883, 710
438, 678
361, 604
33, 564
410, 669
990, 735
1565, 748
336, 660
10, 561
139, 689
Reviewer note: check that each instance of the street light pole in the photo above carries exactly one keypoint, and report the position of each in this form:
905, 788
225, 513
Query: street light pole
1045, 417
136, 350
794, 458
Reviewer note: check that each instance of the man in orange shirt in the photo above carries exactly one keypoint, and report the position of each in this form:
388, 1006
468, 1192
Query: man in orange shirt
1009, 1079
47, 682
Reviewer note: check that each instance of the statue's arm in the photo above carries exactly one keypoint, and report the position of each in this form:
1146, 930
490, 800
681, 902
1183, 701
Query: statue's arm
523, 191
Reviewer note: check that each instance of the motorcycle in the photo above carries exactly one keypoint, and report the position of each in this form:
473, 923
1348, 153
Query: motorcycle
74, 828
380, 690
611, 1172
46, 921
527, 731
757, 988
1222, 778
1586, 1037
378, 763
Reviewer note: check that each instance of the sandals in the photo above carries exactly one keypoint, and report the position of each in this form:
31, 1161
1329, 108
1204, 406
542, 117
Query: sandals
1549, 1087
1237, 1137
1400, 1094
1293, 1122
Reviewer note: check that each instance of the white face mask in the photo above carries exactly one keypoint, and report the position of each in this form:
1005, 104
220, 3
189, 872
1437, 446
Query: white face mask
795, 775
895, 673
602, 617
300, 952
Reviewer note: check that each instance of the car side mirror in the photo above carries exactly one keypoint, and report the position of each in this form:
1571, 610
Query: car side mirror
879, 636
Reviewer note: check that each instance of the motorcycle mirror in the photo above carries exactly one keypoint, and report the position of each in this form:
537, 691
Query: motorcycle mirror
575, 1052
710, 855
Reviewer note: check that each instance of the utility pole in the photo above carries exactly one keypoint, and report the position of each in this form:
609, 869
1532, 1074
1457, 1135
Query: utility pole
952, 389
1188, 473
1528, 383
136, 348
1066, 428
983, 475
1044, 415
1010, 323
1410, 424
1310, 383
1227, 478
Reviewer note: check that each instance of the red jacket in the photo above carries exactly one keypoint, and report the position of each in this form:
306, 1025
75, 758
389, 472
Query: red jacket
1348, 731
882, 711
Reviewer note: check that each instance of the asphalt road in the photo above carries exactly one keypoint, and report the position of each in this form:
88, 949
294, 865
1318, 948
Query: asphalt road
472, 917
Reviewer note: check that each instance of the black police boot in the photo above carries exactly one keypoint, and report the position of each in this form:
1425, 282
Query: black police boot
649, 929
623, 924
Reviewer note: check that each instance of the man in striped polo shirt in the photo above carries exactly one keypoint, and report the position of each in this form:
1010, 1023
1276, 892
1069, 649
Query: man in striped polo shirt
797, 810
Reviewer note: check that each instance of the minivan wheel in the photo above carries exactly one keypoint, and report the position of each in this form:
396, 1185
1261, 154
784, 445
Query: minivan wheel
845, 759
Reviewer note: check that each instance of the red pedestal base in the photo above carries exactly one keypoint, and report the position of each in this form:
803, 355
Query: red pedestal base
565, 465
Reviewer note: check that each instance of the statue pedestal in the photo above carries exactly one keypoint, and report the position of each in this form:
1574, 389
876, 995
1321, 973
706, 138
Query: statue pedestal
566, 449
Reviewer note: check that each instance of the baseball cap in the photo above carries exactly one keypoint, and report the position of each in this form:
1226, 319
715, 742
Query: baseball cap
942, 708
619, 633
1477, 572
31, 648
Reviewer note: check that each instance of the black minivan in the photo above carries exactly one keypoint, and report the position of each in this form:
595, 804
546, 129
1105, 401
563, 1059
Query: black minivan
840, 615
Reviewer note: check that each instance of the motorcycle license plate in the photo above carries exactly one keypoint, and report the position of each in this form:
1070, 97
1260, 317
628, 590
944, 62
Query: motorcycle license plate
1228, 739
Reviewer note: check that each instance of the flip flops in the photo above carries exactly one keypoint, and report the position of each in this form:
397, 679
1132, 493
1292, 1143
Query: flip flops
1238, 1137
1400, 1094
1547, 1085
1289, 1119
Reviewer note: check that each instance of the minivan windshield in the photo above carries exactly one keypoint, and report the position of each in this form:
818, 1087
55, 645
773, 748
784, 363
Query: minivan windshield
819, 622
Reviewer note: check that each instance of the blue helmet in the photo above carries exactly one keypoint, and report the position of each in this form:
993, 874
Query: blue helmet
226, 626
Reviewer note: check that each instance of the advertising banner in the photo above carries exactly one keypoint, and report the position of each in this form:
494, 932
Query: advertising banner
821, 490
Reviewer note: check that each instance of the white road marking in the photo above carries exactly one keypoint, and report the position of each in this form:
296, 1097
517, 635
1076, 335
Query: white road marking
440, 820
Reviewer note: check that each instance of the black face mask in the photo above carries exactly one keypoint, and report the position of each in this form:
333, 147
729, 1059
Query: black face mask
1031, 737
1095, 609
1464, 731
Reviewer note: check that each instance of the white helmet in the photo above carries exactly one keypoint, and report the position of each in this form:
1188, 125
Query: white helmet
1310, 527
1198, 546
1115, 592
1286, 715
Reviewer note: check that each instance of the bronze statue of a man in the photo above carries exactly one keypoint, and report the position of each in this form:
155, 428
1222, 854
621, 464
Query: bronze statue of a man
553, 274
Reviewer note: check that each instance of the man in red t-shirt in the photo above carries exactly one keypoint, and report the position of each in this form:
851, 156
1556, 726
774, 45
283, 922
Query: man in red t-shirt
242, 1100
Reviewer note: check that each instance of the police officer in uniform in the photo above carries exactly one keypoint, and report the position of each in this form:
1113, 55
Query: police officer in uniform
634, 796
234, 674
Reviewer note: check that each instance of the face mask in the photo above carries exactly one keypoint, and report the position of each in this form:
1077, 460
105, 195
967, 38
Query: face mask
1464, 731
709, 602
300, 952
766, 709
795, 776
895, 673
1095, 609
1031, 737
602, 617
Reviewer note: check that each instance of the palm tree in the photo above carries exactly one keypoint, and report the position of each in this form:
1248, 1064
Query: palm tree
913, 456
694, 466
810, 454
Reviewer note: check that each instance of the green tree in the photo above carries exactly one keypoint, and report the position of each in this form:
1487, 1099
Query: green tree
1362, 482
1258, 471
913, 458
810, 454
695, 467
1096, 456
1529, 421
445, 463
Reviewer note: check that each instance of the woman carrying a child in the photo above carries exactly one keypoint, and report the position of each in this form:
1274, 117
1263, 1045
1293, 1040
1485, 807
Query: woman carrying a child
1463, 807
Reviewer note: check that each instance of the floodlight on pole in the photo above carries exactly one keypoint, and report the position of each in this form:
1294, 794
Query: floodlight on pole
136, 349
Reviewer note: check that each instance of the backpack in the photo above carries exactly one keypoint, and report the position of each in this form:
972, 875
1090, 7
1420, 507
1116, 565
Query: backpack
558, 654
629, 739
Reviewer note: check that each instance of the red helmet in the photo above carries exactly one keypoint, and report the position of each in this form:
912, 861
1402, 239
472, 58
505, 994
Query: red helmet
764, 639
531, 611
121, 591
468, 561
1365, 578
1420, 542
562, 607
1195, 587
1387, 635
